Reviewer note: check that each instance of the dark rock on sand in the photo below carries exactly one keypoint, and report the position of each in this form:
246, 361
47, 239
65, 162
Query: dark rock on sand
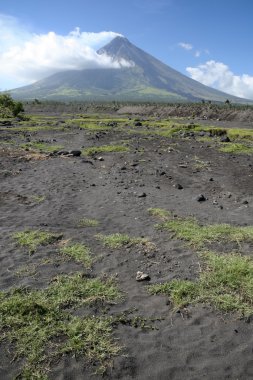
200, 198
75, 153
141, 195
140, 276
225, 139
61, 152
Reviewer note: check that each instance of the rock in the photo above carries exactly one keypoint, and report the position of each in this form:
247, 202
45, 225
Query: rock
183, 166
178, 186
75, 153
6, 123
87, 162
62, 152
245, 202
138, 124
140, 276
141, 195
200, 198
225, 139
100, 158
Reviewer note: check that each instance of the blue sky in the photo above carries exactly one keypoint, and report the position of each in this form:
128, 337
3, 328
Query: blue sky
207, 40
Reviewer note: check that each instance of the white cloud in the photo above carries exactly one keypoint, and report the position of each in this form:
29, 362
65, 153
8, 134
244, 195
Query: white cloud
185, 45
197, 53
218, 75
26, 57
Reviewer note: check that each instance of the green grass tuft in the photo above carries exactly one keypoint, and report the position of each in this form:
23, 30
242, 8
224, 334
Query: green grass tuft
119, 240
236, 148
226, 282
42, 327
105, 149
42, 147
32, 239
197, 235
160, 213
85, 222
79, 252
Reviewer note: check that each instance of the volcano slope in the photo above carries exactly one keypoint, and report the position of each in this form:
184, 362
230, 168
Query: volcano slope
164, 197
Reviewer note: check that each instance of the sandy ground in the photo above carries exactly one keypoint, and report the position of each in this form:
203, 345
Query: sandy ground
199, 344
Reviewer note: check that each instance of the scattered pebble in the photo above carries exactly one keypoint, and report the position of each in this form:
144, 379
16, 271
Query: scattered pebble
141, 195
225, 139
140, 276
75, 153
200, 198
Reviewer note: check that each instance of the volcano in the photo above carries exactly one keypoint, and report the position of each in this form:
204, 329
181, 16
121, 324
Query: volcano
145, 79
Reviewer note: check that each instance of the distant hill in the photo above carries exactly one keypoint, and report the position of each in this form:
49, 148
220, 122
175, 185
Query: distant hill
148, 79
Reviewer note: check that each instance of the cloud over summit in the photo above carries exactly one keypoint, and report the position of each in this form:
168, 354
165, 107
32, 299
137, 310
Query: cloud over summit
26, 57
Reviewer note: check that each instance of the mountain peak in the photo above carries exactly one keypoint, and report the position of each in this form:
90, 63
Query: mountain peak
121, 48
146, 78
116, 43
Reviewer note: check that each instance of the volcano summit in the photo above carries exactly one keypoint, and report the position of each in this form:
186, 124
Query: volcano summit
145, 78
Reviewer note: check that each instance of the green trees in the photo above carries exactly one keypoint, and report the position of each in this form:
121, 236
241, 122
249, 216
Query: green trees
9, 107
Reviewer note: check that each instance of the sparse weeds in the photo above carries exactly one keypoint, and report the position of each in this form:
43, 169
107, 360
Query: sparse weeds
200, 164
160, 213
42, 147
236, 148
78, 252
105, 149
85, 222
42, 326
118, 240
225, 282
32, 239
197, 235
38, 198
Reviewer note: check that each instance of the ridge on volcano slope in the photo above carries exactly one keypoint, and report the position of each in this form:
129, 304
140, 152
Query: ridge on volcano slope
145, 79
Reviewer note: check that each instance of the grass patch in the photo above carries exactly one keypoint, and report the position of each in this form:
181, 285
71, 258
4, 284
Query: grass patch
159, 213
118, 240
32, 239
200, 164
32, 128
42, 147
236, 133
85, 222
197, 235
79, 252
95, 127
38, 198
236, 148
225, 282
42, 327
105, 149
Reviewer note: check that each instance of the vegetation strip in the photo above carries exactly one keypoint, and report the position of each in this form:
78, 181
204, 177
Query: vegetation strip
32, 239
42, 327
225, 280
197, 235
78, 252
